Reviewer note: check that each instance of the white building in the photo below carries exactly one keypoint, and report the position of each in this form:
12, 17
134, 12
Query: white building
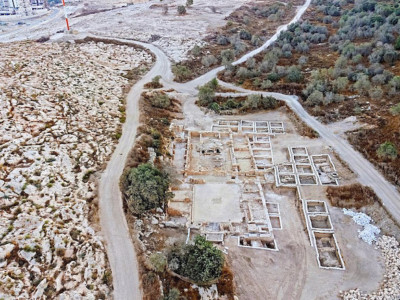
20, 7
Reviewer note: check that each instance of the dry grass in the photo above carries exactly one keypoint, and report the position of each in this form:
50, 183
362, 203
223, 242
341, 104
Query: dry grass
351, 196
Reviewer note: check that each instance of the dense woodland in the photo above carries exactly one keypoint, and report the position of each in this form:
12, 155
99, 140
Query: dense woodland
342, 59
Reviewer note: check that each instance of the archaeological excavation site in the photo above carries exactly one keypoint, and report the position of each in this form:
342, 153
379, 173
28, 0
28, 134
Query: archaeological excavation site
199, 150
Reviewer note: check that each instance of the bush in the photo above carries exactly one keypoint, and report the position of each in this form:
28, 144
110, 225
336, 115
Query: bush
387, 150
397, 44
209, 60
196, 51
189, 3
146, 188
227, 56
215, 107
294, 74
181, 10
173, 294
206, 95
316, 98
181, 72
376, 93
158, 262
253, 102
245, 35
160, 100
395, 110
213, 83
200, 262
222, 40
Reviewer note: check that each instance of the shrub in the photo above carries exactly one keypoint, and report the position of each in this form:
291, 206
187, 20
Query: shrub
222, 40
387, 150
245, 35
251, 63
294, 74
253, 102
181, 72
340, 83
158, 262
213, 83
206, 95
390, 56
146, 188
397, 44
273, 77
227, 56
189, 3
316, 98
173, 294
208, 60
376, 93
395, 110
255, 40
200, 262
196, 51
395, 83
266, 84
239, 47
243, 73
215, 107
181, 10
160, 100
363, 84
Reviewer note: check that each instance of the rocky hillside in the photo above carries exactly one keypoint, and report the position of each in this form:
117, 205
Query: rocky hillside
61, 108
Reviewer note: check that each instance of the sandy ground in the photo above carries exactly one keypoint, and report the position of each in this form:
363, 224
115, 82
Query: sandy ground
293, 273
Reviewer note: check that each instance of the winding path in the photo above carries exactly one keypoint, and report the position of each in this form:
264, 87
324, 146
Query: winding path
120, 248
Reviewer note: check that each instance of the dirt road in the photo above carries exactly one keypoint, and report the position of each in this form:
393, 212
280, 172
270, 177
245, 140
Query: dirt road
120, 250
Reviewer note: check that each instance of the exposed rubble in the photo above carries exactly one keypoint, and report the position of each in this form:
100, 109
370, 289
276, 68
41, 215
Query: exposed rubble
61, 107
390, 288
369, 232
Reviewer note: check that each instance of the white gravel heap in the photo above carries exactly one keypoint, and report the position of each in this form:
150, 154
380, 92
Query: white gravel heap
59, 113
369, 232
390, 286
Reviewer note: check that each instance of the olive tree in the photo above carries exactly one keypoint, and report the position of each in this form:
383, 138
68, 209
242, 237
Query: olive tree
145, 188
200, 261
387, 150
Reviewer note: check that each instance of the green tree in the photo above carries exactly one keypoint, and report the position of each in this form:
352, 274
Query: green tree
387, 150
189, 3
200, 262
146, 188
